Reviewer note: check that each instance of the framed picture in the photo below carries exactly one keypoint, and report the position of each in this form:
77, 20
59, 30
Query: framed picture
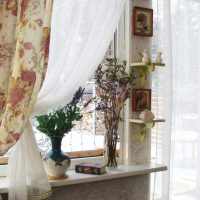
141, 99
142, 21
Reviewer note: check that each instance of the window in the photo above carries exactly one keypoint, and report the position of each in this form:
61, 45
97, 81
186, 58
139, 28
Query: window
87, 137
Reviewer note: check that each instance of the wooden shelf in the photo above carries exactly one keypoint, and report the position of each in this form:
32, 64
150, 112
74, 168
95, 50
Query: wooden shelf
158, 64
140, 121
141, 64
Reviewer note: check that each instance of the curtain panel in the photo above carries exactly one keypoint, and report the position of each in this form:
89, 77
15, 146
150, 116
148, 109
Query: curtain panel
24, 49
23, 59
81, 33
177, 30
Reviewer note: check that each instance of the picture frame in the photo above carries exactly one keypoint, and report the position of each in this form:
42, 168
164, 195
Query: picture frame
142, 21
141, 100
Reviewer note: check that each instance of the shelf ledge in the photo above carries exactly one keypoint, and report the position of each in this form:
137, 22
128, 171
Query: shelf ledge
121, 171
141, 64
140, 121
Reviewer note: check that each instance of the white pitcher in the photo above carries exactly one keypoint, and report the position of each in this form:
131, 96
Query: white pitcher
146, 57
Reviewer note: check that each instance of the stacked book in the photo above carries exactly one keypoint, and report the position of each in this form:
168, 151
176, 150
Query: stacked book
90, 168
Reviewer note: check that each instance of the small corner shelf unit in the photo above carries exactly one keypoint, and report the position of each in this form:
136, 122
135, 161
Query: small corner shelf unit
145, 70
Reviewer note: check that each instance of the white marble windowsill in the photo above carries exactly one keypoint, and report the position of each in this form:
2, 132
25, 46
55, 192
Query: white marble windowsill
119, 172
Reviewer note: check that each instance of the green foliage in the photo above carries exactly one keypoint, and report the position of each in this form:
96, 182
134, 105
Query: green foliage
60, 122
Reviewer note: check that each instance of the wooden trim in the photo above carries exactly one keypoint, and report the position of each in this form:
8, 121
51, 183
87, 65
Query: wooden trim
88, 153
72, 155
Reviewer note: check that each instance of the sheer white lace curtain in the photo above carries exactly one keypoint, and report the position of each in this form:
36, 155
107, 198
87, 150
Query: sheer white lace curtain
79, 41
178, 30
81, 33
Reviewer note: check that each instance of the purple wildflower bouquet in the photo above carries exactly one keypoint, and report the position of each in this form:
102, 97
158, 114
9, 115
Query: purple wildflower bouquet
114, 85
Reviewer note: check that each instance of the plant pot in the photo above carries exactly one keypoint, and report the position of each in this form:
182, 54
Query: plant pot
56, 162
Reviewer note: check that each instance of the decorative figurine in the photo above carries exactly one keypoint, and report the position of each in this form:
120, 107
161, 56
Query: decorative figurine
146, 115
146, 57
159, 58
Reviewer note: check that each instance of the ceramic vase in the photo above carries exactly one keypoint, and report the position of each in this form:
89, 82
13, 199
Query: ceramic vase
146, 57
56, 162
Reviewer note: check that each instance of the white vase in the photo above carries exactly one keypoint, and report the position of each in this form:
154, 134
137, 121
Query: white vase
56, 162
159, 58
146, 57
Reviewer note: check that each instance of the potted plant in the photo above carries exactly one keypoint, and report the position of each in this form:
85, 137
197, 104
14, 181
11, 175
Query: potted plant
114, 85
55, 125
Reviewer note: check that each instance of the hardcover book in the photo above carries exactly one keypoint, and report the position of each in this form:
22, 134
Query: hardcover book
90, 168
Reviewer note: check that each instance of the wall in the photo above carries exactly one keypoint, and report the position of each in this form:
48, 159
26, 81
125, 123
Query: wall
130, 188
135, 151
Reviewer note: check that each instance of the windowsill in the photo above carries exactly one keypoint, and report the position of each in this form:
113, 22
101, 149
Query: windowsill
119, 172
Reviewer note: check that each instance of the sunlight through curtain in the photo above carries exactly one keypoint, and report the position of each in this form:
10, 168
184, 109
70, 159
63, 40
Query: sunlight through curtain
178, 29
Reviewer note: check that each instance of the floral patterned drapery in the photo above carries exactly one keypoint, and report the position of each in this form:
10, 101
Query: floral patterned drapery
24, 42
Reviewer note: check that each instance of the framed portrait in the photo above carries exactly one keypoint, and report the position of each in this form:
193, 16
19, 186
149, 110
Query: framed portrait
142, 21
141, 99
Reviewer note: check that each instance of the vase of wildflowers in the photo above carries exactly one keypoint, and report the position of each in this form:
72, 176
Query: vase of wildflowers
114, 85
55, 125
